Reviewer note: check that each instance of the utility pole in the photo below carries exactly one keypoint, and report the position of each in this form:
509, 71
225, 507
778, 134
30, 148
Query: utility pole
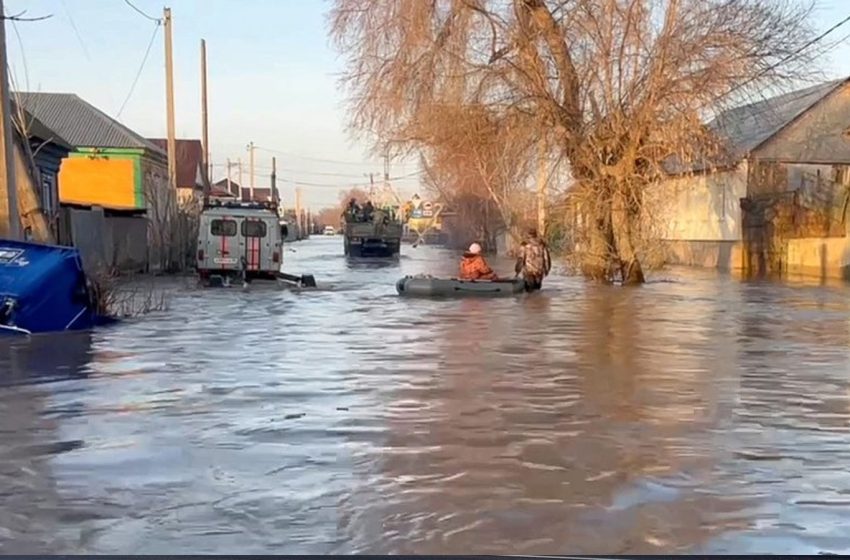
386, 187
228, 176
7, 149
275, 198
298, 210
239, 163
251, 166
542, 182
169, 102
386, 169
205, 122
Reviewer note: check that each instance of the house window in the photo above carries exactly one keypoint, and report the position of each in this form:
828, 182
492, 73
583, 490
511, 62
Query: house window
48, 191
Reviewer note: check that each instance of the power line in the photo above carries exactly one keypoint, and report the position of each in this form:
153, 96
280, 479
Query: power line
139, 73
351, 177
307, 158
790, 56
76, 31
23, 55
141, 12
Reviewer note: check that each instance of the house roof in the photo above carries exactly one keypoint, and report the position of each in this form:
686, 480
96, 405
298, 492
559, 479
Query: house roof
37, 130
190, 157
218, 191
81, 124
261, 194
222, 184
747, 127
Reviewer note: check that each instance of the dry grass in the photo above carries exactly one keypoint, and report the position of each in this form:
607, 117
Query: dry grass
119, 297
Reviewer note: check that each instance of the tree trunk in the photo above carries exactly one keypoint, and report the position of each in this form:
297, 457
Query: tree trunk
596, 263
623, 217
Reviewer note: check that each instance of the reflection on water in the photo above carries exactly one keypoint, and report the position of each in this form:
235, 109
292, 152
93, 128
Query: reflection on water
695, 414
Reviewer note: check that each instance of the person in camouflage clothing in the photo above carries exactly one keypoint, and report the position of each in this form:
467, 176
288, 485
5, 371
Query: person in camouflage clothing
534, 261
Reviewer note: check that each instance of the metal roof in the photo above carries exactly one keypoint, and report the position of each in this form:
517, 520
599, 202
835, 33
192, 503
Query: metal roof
745, 128
81, 124
36, 129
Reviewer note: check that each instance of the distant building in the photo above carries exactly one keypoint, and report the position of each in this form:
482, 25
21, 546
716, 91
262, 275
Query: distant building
261, 194
190, 167
225, 189
778, 202
221, 189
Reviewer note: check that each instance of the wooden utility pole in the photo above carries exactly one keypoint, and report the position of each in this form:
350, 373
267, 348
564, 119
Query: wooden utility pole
205, 122
542, 182
169, 102
275, 198
386, 169
228, 176
239, 163
204, 114
298, 211
251, 167
8, 215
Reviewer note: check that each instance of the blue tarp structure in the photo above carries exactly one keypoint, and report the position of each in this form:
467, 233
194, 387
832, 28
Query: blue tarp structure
43, 289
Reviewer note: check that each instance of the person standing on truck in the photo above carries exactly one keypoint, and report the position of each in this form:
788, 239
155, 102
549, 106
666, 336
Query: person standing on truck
368, 209
352, 210
534, 261
474, 267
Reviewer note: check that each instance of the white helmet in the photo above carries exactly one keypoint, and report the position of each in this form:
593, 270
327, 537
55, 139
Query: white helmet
475, 249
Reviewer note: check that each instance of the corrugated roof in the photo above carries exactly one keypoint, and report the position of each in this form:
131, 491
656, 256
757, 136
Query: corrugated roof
747, 127
81, 124
36, 129
743, 129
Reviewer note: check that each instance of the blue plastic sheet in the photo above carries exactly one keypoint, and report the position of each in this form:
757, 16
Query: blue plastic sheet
42, 289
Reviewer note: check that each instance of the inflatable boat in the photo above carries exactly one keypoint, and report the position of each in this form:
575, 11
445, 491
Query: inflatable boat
426, 286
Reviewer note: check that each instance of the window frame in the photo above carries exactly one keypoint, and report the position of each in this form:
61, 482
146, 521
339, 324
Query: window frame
224, 233
263, 229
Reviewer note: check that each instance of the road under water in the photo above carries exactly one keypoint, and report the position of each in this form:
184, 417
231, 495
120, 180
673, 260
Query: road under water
694, 414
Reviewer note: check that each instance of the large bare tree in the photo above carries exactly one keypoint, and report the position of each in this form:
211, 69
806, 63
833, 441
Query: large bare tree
617, 88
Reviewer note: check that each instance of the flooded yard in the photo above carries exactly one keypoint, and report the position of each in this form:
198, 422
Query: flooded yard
694, 414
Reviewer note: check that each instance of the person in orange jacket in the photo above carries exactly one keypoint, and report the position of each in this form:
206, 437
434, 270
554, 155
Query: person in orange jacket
474, 267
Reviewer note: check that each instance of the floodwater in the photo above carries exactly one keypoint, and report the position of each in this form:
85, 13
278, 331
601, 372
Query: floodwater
694, 414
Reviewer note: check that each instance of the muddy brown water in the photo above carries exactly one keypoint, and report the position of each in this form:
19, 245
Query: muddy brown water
694, 414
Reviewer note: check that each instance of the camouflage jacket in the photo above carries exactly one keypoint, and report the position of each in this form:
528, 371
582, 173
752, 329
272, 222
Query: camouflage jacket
534, 259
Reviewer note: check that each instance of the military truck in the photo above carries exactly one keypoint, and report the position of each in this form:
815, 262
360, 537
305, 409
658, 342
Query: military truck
375, 235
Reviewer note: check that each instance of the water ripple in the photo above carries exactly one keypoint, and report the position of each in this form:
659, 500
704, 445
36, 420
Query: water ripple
695, 414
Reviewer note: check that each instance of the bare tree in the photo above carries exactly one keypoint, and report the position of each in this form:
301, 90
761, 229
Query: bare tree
328, 217
619, 88
161, 204
356, 193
